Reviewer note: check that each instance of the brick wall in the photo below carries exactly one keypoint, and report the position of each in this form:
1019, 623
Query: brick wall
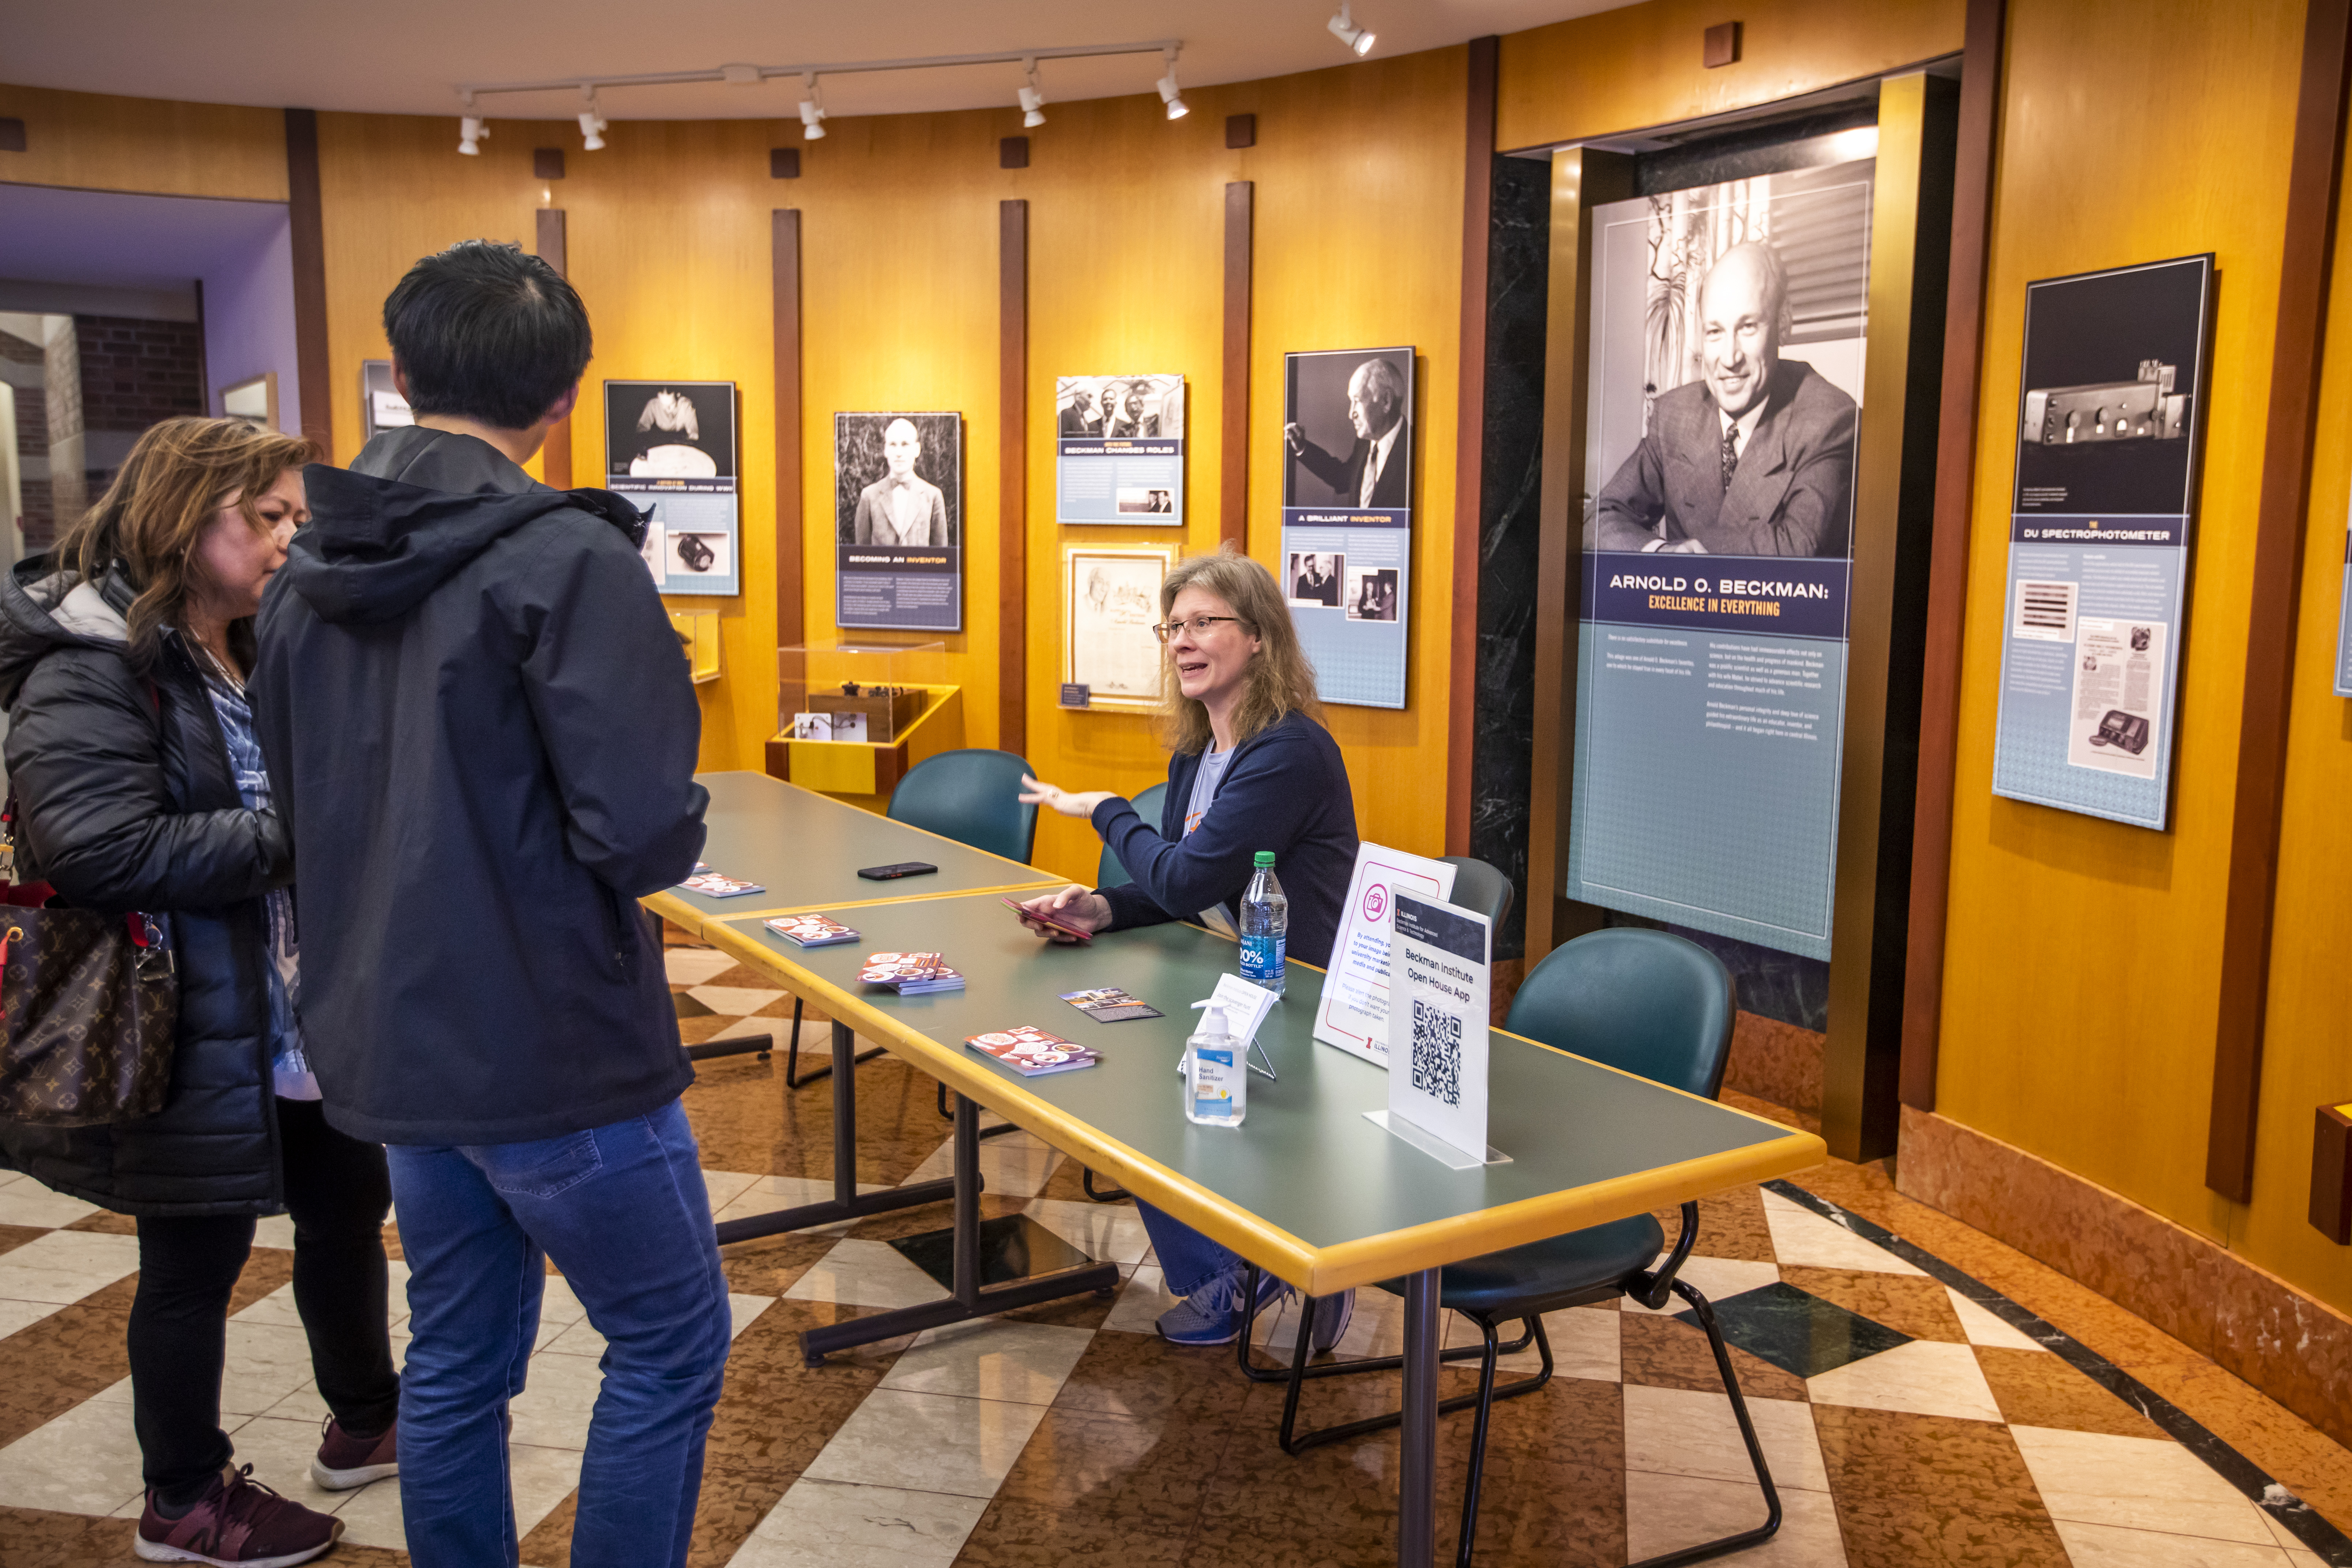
32, 435
136, 373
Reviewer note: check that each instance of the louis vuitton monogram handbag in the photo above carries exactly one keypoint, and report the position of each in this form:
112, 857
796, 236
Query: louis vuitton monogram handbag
89, 1007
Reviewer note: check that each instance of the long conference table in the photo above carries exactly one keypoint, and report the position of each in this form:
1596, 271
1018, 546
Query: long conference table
1308, 1188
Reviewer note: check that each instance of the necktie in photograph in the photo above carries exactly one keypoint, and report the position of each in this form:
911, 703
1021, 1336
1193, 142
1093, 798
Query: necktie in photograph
1371, 476
1730, 453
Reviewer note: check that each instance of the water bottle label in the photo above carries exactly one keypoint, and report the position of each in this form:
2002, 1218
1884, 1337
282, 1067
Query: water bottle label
1261, 958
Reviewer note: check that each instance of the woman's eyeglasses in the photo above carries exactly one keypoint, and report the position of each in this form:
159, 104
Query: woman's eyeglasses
1199, 625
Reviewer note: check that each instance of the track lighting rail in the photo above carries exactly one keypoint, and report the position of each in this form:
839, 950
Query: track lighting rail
469, 91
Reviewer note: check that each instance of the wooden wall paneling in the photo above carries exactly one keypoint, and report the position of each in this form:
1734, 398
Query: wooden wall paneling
1013, 477
1232, 478
2262, 734
1948, 584
1635, 66
555, 457
1581, 179
96, 142
308, 238
784, 242
1469, 458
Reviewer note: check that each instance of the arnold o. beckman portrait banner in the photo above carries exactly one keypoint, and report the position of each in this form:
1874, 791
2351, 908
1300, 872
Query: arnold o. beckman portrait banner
1728, 346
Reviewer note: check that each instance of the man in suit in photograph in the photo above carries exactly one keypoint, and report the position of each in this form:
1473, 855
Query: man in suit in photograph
1129, 422
1756, 457
1079, 420
1377, 470
1314, 581
901, 508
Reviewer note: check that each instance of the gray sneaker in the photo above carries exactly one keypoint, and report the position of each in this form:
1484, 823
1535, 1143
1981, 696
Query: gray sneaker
1212, 1314
1332, 1315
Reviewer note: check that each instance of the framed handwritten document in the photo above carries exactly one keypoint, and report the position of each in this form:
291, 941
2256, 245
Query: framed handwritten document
1111, 599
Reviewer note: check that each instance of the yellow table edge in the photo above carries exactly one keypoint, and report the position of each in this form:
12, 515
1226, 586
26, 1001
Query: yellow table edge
1320, 1271
678, 912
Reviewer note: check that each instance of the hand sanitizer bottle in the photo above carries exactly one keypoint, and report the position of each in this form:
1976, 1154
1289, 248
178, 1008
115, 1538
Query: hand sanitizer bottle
1216, 1077
1265, 927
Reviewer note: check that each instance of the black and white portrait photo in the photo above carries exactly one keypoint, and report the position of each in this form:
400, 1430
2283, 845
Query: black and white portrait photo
1313, 578
1373, 595
1347, 433
898, 480
670, 429
1728, 330
1119, 407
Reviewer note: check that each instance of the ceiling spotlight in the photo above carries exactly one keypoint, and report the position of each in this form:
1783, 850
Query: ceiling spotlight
1168, 94
811, 111
1343, 28
471, 129
1033, 101
592, 125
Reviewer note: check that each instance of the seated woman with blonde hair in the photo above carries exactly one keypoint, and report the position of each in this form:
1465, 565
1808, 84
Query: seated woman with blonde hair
1252, 768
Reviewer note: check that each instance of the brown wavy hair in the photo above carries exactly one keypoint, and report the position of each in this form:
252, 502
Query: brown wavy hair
179, 475
1278, 678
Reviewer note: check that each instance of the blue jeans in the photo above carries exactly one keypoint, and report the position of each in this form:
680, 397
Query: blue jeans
1186, 1258
622, 1211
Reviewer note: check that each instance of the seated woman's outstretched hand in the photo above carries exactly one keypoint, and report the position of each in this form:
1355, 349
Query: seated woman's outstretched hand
1052, 798
1072, 906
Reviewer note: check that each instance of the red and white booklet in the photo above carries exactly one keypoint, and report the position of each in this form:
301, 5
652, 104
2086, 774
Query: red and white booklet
812, 930
909, 973
1031, 1051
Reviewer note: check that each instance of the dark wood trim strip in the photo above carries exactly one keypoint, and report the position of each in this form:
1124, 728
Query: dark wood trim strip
1470, 439
2279, 529
1948, 571
1581, 179
784, 245
1012, 477
305, 219
1232, 486
555, 457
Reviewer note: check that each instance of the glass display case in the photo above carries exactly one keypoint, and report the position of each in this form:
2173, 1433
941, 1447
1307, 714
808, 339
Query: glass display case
853, 715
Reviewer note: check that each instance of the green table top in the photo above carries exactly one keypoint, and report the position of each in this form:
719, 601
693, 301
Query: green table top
805, 849
1306, 1186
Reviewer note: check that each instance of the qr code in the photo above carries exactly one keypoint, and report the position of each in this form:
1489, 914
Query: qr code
1436, 1052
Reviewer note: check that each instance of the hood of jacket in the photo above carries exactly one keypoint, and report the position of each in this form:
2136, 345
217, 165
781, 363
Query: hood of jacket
43, 608
415, 507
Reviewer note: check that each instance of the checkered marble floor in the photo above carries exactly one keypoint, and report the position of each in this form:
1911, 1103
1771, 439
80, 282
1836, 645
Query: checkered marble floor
1906, 1420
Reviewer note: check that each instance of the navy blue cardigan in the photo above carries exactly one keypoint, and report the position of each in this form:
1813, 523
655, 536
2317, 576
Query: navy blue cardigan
1284, 790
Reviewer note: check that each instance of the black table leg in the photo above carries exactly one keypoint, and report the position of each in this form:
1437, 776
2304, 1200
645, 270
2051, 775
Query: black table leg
1417, 1457
847, 1202
971, 1299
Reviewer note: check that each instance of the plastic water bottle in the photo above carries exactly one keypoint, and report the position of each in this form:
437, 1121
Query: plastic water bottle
1216, 1077
1265, 927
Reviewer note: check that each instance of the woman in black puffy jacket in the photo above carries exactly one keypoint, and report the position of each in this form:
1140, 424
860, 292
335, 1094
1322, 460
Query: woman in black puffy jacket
138, 787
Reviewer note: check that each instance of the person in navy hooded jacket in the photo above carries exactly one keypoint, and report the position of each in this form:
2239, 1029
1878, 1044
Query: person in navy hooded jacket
1252, 768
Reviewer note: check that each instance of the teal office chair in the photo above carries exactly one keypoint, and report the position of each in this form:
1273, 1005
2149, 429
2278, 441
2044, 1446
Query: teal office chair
1481, 889
972, 796
1645, 1002
1110, 873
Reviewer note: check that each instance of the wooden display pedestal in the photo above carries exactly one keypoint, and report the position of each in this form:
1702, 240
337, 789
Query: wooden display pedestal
866, 772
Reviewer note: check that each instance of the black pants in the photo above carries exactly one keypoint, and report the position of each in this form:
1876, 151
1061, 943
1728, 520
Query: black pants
339, 1193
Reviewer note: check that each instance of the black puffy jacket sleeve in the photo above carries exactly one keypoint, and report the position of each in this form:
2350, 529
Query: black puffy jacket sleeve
86, 752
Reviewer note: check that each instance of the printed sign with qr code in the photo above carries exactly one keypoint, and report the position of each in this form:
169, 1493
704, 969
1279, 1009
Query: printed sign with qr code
1438, 1021
1436, 1052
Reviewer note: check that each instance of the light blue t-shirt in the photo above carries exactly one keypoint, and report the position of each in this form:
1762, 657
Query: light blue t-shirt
1205, 780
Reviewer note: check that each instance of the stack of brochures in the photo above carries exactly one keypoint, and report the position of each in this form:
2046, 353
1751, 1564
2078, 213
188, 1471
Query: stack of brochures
1031, 1051
909, 973
811, 930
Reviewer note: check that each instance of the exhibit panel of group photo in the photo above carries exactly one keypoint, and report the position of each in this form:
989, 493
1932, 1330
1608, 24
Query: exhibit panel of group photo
1729, 330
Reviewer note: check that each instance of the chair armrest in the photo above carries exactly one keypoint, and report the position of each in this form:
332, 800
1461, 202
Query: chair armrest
1658, 1287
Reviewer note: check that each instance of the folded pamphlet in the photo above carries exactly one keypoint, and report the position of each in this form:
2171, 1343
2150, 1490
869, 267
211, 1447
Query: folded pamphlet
811, 930
1109, 1005
909, 973
712, 885
1031, 1052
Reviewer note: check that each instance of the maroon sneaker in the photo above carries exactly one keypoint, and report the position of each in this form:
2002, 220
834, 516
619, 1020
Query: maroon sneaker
240, 1523
345, 1461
